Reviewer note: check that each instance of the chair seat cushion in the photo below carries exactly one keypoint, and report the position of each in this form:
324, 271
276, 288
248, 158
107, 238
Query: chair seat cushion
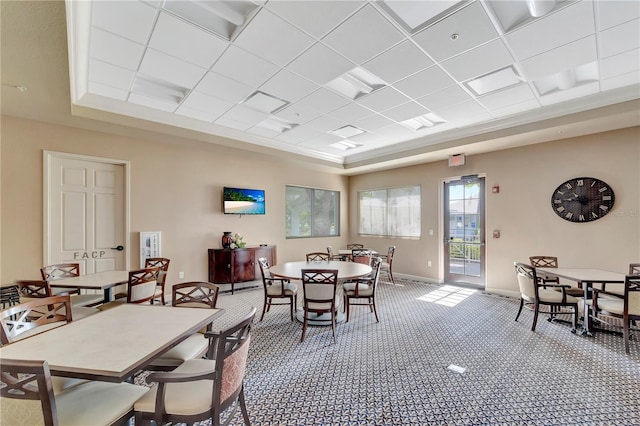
363, 289
276, 289
553, 296
192, 347
94, 403
183, 398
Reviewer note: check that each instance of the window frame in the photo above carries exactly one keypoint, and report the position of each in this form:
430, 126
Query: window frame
387, 212
311, 198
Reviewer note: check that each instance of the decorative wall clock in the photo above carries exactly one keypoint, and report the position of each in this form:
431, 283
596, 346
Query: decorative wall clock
582, 199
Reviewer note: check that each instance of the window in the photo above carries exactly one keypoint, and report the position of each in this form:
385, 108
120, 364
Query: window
312, 212
392, 212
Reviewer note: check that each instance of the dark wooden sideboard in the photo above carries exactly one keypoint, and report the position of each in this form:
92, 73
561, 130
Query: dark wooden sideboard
230, 266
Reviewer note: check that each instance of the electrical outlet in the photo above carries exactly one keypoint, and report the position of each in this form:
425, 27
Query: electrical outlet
429, 264
180, 274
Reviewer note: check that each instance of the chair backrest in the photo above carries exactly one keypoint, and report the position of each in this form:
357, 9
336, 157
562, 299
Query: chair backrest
195, 294
372, 280
362, 256
634, 269
33, 289
318, 256
543, 261
231, 347
18, 379
24, 317
330, 251
390, 252
354, 246
527, 280
142, 285
319, 288
60, 270
158, 262
264, 267
632, 295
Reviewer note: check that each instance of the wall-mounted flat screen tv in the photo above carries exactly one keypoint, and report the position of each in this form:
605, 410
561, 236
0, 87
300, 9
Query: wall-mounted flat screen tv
243, 201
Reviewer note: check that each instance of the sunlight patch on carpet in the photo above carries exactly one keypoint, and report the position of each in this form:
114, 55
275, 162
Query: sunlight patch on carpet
448, 295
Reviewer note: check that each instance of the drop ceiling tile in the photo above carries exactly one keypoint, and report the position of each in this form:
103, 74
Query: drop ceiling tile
620, 64
321, 142
351, 112
552, 31
138, 99
504, 98
373, 123
614, 12
397, 132
192, 44
425, 82
363, 36
471, 24
223, 87
227, 122
244, 67
620, 39
168, 68
115, 50
315, 17
326, 123
445, 98
273, 39
110, 75
299, 134
398, 62
261, 131
197, 114
203, 102
568, 56
479, 61
289, 86
370, 139
108, 91
324, 101
298, 113
383, 99
243, 114
129, 19
625, 80
405, 111
573, 93
320, 64
516, 108
465, 113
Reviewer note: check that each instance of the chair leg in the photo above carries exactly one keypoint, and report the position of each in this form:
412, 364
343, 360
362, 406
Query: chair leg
626, 335
575, 318
346, 307
264, 308
291, 302
520, 310
391, 275
375, 311
304, 325
536, 308
334, 322
243, 407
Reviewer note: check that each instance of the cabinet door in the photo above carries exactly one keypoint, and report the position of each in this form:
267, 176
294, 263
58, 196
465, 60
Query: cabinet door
243, 265
220, 266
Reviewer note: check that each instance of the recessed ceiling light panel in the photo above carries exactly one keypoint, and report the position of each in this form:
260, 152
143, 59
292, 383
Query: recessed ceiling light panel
264, 102
495, 81
414, 15
158, 89
356, 83
347, 131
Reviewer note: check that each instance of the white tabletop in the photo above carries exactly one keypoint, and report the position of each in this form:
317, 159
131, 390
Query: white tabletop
97, 281
587, 275
346, 270
113, 344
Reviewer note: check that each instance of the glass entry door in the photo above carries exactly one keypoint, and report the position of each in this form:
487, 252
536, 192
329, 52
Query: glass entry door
464, 230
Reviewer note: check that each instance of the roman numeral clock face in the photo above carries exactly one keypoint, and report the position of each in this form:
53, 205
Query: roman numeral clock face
582, 199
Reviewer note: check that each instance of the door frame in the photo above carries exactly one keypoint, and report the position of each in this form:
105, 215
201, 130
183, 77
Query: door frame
441, 222
47, 157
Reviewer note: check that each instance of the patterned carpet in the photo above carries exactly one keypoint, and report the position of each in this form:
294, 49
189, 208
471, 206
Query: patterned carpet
396, 372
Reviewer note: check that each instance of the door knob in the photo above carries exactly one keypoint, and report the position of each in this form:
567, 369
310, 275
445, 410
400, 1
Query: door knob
119, 248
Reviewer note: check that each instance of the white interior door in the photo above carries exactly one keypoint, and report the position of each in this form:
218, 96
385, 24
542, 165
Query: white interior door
85, 212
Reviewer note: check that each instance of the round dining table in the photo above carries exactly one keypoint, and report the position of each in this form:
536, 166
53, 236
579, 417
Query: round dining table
346, 271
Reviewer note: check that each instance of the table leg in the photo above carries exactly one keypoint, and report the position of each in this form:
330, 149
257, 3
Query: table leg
587, 310
107, 295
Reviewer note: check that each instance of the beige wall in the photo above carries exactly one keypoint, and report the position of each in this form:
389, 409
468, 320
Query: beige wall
527, 177
174, 189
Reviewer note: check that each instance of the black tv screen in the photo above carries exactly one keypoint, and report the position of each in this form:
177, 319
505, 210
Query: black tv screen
243, 201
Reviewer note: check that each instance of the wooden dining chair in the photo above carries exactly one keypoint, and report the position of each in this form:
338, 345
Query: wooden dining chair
202, 389
58, 271
319, 297
552, 262
362, 255
28, 397
354, 246
277, 291
634, 269
318, 256
387, 263
163, 264
362, 292
33, 289
537, 293
625, 307
333, 256
141, 288
194, 294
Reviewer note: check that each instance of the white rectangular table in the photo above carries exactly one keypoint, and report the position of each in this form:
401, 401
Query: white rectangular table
585, 277
104, 281
111, 345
